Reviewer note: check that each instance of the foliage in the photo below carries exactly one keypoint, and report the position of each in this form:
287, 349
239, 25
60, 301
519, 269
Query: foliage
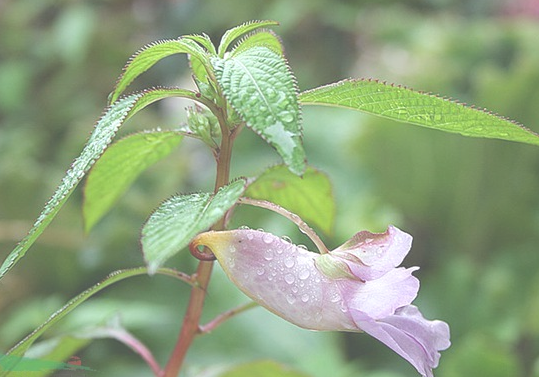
386, 174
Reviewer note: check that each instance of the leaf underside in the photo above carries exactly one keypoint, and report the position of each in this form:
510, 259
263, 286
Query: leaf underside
409, 106
170, 228
261, 88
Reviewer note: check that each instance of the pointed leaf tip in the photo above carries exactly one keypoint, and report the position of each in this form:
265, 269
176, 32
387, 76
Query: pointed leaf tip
423, 109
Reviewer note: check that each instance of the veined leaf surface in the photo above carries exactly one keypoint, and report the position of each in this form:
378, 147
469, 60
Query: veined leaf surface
170, 228
261, 88
409, 106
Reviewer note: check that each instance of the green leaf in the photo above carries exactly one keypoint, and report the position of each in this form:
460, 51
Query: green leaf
263, 38
204, 40
406, 105
261, 88
263, 368
231, 35
105, 129
23, 345
118, 168
146, 57
309, 197
170, 228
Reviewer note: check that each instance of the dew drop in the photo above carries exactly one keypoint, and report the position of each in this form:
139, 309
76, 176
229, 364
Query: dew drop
244, 227
268, 254
290, 298
286, 239
286, 116
302, 247
250, 236
295, 289
289, 262
260, 271
334, 298
304, 274
289, 278
304, 297
267, 238
318, 317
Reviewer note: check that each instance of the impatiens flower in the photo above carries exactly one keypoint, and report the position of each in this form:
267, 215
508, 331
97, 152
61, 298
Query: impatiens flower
356, 287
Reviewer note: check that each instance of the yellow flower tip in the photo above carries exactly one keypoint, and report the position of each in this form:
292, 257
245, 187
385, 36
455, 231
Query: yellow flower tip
216, 242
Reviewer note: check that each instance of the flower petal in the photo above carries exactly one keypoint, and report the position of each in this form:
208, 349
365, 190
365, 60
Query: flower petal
410, 335
381, 297
281, 277
371, 255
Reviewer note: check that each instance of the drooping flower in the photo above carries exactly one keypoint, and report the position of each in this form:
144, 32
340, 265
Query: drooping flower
356, 287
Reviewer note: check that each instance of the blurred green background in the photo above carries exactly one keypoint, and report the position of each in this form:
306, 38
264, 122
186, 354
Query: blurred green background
472, 205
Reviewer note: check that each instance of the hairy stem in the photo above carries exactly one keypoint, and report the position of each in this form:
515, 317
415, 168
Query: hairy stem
191, 320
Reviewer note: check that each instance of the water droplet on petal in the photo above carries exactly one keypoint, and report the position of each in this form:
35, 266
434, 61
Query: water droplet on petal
290, 298
289, 262
268, 254
260, 271
289, 278
304, 274
286, 238
305, 297
267, 238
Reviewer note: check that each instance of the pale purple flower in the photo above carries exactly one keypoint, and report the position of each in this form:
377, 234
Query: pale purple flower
356, 287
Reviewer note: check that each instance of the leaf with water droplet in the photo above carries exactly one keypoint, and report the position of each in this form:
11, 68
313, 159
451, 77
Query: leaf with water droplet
170, 228
105, 130
310, 197
423, 109
259, 85
118, 168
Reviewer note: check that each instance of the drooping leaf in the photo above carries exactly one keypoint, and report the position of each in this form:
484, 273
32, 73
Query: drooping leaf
180, 218
262, 368
118, 168
231, 35
23, 345
105, 130
406, 105
260, 86
309, 197
262, 38
146, 57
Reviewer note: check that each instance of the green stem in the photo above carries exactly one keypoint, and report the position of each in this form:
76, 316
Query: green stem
191, 320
